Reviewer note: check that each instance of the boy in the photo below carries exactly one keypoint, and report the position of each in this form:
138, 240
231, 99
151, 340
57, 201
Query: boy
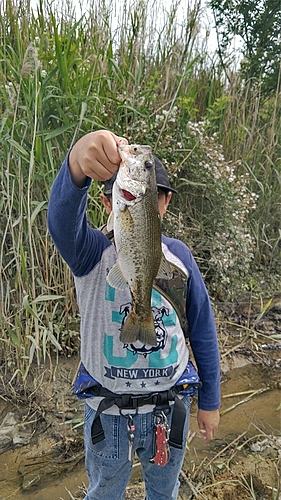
134, 405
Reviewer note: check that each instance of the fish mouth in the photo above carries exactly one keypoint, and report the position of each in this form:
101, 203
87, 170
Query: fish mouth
127, 195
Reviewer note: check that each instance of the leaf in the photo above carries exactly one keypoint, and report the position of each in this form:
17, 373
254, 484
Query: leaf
36, 211
47, 298
29, 309
54, 133
14, 336
19, 148
26, 305
83, 111
32, 350
192, 183
263, 310
54, 341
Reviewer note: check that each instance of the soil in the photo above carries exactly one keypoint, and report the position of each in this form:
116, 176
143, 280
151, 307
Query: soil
41, 437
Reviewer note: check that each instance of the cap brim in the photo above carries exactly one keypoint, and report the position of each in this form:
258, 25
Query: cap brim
165, 188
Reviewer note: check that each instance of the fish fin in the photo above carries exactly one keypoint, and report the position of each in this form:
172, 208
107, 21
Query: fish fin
134, 330
115, 278
165, 271
110, 222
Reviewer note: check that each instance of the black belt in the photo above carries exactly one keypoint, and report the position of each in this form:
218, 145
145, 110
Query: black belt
129, 402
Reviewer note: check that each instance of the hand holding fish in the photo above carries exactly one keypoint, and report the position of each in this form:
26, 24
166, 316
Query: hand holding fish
95, 155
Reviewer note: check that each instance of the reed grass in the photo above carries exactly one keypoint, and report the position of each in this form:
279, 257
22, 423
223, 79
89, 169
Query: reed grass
255, 124
144, 72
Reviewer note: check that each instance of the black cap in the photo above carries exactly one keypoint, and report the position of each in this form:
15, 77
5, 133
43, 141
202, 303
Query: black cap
161, 179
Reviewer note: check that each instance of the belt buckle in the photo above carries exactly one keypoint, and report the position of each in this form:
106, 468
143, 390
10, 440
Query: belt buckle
126, 411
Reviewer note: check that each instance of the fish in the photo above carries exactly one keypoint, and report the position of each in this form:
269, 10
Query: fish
136, 223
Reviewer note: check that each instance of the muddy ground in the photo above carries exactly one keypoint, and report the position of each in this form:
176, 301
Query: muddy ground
41, 441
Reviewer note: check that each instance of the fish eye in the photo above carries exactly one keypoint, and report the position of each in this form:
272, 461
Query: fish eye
148, 164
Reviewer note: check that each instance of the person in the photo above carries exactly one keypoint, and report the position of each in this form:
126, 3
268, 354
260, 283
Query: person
130, 389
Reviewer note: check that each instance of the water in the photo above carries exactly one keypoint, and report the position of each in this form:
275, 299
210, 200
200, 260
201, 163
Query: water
258, 415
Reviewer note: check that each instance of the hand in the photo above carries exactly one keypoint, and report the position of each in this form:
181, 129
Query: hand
208, 422
95, 155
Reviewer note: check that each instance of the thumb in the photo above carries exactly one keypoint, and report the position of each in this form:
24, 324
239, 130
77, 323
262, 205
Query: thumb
111, 150
119, 140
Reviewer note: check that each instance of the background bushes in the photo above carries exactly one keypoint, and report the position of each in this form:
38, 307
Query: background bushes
146, 74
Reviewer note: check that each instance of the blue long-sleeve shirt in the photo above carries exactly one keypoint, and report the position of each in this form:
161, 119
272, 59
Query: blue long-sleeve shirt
134, 368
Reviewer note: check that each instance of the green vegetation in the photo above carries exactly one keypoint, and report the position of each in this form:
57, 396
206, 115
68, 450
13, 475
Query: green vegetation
148, 77
257, 24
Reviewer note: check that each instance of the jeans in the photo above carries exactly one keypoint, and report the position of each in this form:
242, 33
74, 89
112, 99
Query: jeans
107, 464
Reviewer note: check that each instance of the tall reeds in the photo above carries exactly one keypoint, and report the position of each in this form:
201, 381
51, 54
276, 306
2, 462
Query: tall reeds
142, 71
249, 126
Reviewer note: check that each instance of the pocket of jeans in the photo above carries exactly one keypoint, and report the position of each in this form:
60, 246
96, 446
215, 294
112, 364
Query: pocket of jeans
109, 447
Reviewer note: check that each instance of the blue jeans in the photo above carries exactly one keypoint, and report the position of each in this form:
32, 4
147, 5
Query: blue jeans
107, 464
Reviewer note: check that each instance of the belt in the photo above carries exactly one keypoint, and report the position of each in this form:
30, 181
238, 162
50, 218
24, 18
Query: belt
129, 402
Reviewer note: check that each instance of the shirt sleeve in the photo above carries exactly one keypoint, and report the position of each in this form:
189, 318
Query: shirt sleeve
203, 340
202, 329
79, 245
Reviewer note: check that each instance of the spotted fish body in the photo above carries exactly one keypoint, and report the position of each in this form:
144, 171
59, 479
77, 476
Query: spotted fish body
137, 232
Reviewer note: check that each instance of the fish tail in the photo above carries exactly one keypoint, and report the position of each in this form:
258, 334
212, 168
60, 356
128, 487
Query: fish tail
134, 330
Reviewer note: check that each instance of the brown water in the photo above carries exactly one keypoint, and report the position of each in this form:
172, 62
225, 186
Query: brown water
258, 415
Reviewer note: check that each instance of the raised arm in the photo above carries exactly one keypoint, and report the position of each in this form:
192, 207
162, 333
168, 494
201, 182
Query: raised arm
94, 156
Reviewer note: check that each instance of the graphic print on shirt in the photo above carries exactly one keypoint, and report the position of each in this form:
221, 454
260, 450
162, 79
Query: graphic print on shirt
157, 364
160, 330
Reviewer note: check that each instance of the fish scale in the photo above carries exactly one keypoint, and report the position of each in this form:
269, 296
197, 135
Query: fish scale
136, 223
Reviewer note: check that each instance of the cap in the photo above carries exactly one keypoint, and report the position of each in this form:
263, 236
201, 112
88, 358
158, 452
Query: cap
162, 179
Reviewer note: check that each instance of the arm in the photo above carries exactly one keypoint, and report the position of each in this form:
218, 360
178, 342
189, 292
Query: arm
204, 344
203, 340
94, 156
